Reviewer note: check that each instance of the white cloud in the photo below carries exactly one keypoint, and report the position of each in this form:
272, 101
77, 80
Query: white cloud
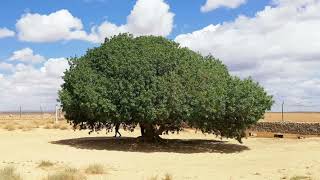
6, 67
279, 47
26, 55
215, 4
148, 17
31, 87
60, 25
4, 32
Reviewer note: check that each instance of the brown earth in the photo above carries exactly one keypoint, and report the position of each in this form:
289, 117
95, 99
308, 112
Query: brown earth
188, 155
269, 116
292, 116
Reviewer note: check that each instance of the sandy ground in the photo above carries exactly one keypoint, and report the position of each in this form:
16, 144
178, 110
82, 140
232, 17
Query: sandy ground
292, 116
208, 158
269, 116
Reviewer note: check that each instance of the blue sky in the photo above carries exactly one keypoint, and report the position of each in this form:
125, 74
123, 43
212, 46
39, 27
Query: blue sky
274, 41
188, 18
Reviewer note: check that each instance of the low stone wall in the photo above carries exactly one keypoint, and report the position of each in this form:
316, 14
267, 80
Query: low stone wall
288, 127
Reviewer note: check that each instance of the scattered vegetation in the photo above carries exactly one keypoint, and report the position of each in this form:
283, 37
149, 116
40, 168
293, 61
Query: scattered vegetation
20, 126
67, 174
10, 127
300, 178
45, 164
63, 127
48, 126
56, 126
9, 173
95, 169
31, 123
166, 177
153, 178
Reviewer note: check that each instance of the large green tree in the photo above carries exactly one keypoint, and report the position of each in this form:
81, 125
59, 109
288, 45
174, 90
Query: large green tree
154, 83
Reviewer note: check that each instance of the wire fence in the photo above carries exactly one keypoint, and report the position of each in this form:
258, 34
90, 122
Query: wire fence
306, 110
26, 114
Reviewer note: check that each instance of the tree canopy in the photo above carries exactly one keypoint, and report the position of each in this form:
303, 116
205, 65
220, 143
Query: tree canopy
154, 83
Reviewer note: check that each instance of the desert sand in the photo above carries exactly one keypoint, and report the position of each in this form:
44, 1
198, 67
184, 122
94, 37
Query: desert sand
310, 117
198, 156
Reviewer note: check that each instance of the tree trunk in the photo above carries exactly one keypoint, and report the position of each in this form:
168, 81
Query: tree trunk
149, 133
142, 129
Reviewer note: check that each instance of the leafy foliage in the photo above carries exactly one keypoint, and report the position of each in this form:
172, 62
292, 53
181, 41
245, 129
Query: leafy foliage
153, 82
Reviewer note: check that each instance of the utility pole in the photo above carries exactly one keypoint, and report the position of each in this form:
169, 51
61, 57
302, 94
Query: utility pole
20, 111
41, 112
56, 120
282, 110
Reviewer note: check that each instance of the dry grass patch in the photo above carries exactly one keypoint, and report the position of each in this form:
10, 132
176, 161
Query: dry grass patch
166, 177
56, 126
300, 178
45, 164
63, 127
27, 128
20, 126
60, 125
66, 174
10, 127
9, 173
48, 126
153, 178
38, 123
95, 169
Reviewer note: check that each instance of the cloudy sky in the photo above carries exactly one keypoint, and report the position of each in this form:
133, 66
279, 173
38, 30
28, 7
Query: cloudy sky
276, 42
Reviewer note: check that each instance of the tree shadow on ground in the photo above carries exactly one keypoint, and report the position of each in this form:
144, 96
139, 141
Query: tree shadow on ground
130, 144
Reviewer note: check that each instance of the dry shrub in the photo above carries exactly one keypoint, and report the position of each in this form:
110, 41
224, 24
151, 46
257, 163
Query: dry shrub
27, 128
56, 126
166, 177
15, 123
20, 126
45, 164
10, 127
40, 122
67, 174
95, 169
35, 123
9, 173
48, 126
63, 127
153, 178
300, 178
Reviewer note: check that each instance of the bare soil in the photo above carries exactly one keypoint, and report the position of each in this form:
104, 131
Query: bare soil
188, 155
292, 117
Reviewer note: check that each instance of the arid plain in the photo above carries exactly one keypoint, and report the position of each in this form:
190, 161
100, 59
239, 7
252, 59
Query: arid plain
27, 143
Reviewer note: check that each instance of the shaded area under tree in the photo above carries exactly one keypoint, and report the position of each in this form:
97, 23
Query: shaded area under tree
131, 144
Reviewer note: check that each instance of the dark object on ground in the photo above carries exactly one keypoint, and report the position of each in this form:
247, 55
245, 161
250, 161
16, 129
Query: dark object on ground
117, 126
278, 135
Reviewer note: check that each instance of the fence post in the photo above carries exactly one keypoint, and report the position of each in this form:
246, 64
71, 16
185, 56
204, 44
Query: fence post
20, 111
282, 109
56, 119
41, 112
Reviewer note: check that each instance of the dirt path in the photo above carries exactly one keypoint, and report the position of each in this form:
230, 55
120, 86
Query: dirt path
257, 158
